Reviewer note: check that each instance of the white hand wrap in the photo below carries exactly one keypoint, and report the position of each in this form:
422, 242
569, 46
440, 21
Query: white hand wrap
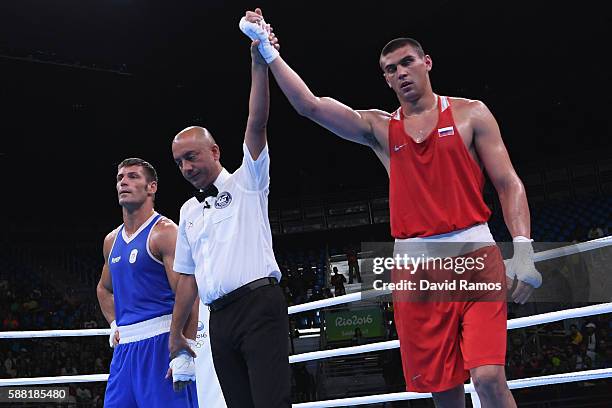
111, 338
521, 265
258, 31
183, 365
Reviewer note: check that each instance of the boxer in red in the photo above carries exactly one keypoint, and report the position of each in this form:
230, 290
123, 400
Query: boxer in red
434, 149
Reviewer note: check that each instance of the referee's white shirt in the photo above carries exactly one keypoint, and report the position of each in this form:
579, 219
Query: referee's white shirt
226, 241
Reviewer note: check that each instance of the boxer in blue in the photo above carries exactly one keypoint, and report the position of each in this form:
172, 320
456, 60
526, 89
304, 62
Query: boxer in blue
136, 295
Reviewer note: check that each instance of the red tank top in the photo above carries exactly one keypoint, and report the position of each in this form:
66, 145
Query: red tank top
435, 186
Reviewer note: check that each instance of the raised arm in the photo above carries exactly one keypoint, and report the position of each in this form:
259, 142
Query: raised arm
259, 104
342, 120
336, 117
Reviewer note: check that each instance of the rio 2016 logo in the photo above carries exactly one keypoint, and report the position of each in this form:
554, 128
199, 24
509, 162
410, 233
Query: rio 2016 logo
354, 320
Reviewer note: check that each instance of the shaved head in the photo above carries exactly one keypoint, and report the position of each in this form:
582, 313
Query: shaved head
197, 156
195, 133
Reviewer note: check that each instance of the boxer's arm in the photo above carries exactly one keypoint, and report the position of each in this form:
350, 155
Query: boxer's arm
494, 156
513, 199
182, 364
104, 289
190, 330
259, 105
186, 294
336, 117
347, 123
163, 244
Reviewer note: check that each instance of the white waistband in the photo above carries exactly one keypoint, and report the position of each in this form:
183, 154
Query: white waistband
145, 329
454, 243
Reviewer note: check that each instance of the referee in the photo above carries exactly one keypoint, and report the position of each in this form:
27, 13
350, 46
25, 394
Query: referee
224, 253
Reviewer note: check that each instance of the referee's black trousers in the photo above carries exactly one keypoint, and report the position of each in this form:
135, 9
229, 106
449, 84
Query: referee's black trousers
249, 342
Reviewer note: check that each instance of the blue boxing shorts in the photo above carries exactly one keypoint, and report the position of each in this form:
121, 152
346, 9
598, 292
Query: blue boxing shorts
138, 369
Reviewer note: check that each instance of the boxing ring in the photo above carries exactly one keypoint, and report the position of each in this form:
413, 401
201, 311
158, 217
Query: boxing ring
521, 322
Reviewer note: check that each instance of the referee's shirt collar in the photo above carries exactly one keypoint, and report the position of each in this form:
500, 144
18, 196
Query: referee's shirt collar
221, 179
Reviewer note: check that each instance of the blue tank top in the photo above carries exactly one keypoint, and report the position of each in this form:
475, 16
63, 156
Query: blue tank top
140, 284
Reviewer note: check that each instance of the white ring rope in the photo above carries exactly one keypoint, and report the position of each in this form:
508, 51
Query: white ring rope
559, 315
338, 300
469, 388
54, 333
386, 345
512, 324
344, 351
62, 379
572, 249
370, 399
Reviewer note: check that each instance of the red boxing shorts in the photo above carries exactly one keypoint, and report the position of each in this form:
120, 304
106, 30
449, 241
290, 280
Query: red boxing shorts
440, 341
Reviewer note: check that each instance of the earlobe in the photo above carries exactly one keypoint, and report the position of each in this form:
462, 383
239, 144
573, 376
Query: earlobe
216, 152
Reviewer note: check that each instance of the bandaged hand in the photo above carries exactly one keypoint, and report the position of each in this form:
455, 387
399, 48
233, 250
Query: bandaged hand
182, 367
522, 267
254, 26
113, 339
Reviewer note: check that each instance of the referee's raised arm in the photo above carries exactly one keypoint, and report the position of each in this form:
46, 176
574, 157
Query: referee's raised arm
259, 103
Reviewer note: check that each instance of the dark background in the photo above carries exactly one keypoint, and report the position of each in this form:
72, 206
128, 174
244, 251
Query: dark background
87, 84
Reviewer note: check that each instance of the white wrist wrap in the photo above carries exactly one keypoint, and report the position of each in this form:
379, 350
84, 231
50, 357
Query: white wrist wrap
111, 338
183, 365
258, 31
521, 265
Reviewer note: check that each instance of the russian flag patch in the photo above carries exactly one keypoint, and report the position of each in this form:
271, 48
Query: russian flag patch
446, 131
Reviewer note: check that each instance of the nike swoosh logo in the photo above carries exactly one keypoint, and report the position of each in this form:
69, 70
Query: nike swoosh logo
397, 148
